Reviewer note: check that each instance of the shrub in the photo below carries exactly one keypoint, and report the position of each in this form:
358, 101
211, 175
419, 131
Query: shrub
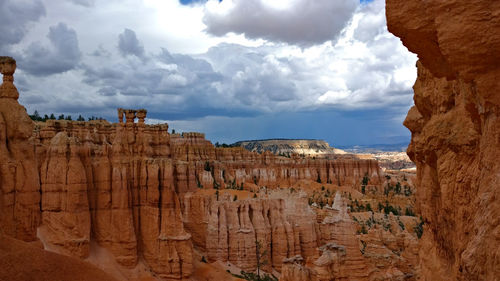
401, 224
398, 188
368, 207
207, 166
366, 179
419, 228
409, 212
363, 229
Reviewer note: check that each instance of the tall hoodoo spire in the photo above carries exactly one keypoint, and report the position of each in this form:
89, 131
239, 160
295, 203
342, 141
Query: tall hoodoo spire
7, 68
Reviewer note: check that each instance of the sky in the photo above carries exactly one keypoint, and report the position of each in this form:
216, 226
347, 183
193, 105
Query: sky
232, 69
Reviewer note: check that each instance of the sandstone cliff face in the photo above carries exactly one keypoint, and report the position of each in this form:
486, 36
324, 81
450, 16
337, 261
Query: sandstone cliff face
455, 132
229, 230
116, 184
120, 184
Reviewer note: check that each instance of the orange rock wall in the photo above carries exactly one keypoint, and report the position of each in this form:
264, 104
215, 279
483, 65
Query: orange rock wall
229, 230
455, 132
114, 183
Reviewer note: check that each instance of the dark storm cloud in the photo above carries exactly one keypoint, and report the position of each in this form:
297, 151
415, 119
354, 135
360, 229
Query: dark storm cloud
15, 18
61, 55
85, 3
303, 23
128, 44
293, 89
181, 82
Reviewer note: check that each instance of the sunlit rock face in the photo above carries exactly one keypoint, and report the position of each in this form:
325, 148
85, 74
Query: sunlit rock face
455, 132
19, 181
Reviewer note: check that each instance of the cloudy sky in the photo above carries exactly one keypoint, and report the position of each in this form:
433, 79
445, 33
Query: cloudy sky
234, 69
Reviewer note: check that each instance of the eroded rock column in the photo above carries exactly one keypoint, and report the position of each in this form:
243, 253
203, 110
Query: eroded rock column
19, 181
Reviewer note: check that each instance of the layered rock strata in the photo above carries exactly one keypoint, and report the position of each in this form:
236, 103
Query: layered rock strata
122, 185
455, 132
229, 230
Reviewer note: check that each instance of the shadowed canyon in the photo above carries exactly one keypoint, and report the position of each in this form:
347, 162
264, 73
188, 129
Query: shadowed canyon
97, 200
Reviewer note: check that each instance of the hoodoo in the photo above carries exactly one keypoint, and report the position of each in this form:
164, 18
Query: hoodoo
19, 178
157, 203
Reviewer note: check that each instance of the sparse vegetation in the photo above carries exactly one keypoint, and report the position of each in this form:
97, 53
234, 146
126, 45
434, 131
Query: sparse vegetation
419, 228
407, 190
254, 277
401, 224
363, 248
409, 212
261, 256
398, 188
207, 166
388, 209
37, 117
365, 180
224, 145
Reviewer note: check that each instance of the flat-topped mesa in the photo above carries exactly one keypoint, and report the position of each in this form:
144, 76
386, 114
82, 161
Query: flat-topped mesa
7, 68
120, 115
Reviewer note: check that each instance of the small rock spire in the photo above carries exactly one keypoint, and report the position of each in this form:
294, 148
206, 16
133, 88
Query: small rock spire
141, 115
130, 115
120, 115
7, 68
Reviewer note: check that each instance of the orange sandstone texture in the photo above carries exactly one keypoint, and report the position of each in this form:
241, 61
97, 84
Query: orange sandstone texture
20, 261
19, 181
455, 132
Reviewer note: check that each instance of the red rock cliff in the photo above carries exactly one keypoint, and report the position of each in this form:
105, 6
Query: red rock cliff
455, 129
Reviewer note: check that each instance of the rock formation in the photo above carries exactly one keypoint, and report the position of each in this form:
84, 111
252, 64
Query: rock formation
312, 148
19, 181
229, 230
157, 200
455, 132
